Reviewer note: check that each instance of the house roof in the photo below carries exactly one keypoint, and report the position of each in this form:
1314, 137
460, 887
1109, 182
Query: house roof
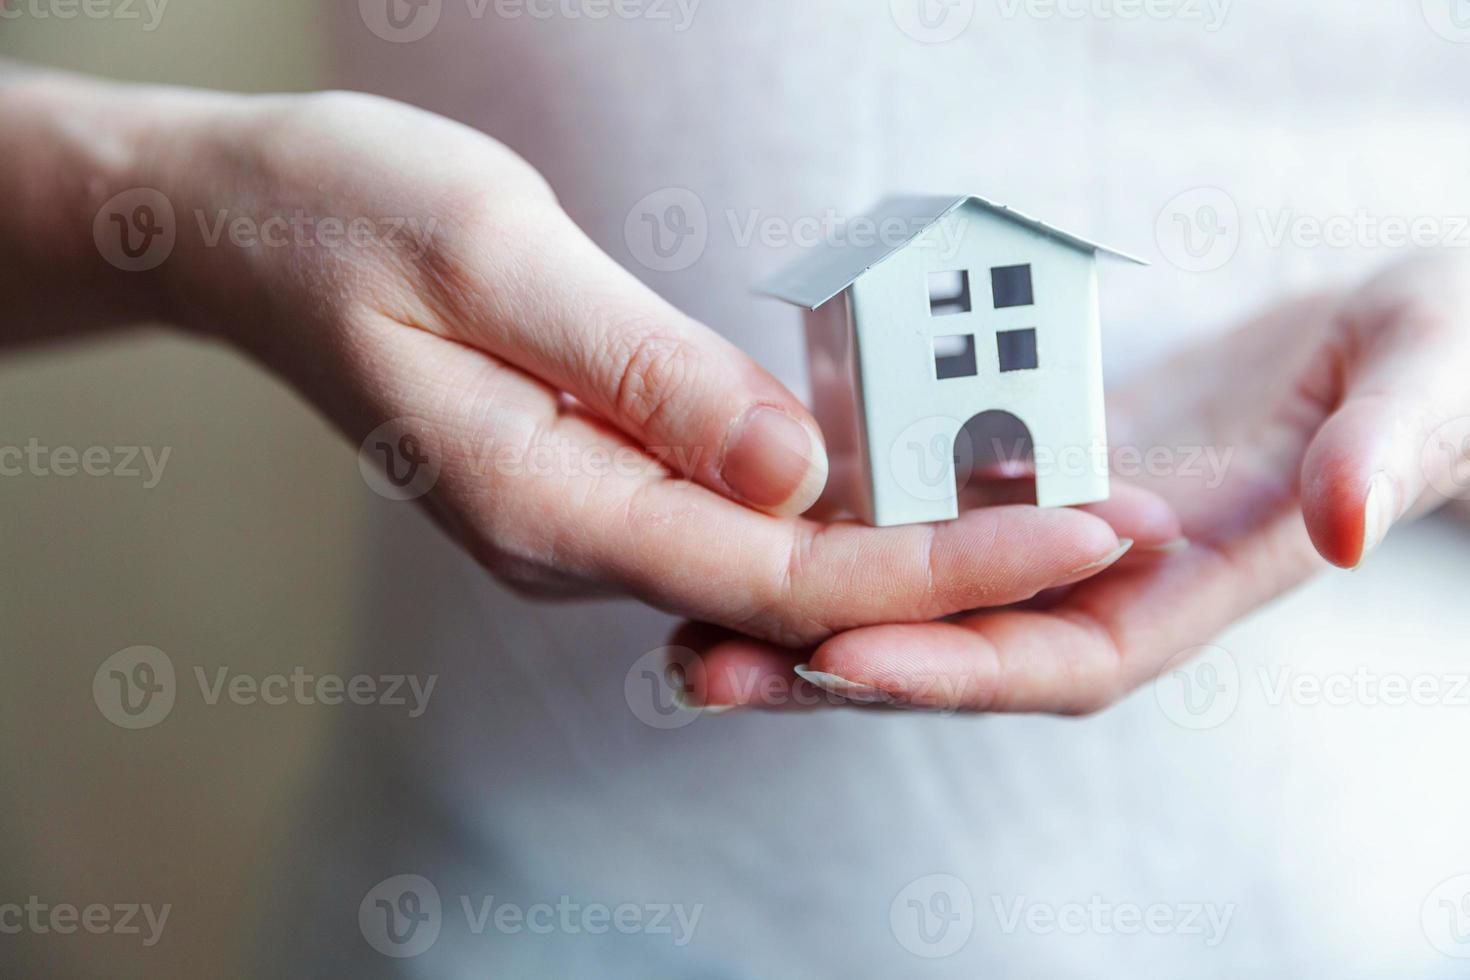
829, 269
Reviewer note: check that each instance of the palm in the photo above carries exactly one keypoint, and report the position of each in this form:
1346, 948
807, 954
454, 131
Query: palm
1302, 406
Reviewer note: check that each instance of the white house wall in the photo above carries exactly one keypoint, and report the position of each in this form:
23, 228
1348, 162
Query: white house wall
910, 418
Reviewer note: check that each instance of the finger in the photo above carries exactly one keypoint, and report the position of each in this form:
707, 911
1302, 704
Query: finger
533, 483
538, 293
1142, 516
798, 581
1402, 350
1109, 636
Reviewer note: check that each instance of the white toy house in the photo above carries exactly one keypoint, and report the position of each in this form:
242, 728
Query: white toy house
954, 316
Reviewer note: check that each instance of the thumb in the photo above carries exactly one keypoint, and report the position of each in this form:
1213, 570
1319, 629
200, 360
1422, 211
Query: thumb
565, 312
1367, 466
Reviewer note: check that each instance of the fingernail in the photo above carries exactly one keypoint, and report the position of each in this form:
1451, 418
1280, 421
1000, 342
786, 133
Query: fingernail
1378, 513
1087, 571
841, 686
774, 462
681, 700
1168, 547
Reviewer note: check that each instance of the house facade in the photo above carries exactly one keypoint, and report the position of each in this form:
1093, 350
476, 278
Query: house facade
953, 346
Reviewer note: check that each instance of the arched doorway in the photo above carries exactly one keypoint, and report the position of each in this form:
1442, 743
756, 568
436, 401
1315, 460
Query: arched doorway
994, 461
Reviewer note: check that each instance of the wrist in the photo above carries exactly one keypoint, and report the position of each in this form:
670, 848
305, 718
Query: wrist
98, 173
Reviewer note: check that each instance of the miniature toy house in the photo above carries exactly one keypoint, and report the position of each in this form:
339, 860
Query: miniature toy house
955, 317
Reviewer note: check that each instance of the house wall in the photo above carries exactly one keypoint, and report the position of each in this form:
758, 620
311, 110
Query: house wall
910, 418
832, 364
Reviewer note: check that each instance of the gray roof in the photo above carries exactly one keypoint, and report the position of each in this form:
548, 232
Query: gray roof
829, 269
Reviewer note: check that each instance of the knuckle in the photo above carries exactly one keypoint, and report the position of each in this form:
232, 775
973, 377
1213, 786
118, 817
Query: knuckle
654, 368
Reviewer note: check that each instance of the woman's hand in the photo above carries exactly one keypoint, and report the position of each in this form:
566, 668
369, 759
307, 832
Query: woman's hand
588, 437
1337, 416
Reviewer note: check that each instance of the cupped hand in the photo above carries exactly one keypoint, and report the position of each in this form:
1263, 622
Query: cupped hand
590, 438
1323, 422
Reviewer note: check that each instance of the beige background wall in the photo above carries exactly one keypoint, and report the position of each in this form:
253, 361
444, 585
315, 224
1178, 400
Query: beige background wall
243, 556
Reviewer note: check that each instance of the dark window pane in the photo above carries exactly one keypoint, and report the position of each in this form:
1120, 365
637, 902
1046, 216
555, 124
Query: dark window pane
954, 357
1017, 349
949, 292
1012, 286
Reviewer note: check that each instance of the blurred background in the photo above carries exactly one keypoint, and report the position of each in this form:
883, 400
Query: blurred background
255, 492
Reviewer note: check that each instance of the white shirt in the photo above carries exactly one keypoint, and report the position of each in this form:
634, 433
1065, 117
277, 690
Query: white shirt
1296, 837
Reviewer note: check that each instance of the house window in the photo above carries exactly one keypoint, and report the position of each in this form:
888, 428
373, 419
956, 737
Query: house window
1017, 349
954, 357
949, 293
1011, 286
